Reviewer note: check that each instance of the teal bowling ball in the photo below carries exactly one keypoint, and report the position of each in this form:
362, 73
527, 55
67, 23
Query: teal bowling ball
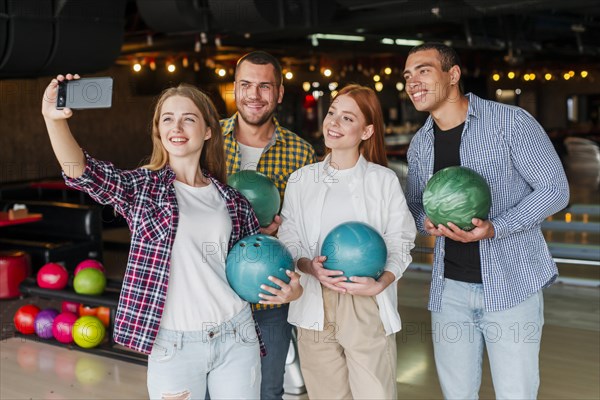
252, 260
457, 194
260, 191
355, 248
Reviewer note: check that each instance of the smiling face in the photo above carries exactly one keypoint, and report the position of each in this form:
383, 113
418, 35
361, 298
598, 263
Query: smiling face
427, 84
257, 92
344, 126
182, 128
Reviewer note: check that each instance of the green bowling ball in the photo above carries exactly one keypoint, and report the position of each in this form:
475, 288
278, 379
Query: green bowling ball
457, 194
260, 191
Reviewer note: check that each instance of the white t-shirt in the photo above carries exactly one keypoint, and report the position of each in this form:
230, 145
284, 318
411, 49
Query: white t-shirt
335, 208
198, 295
249, 156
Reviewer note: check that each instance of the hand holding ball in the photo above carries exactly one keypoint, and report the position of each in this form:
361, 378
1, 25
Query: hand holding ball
355, 248
457, 194
252, 260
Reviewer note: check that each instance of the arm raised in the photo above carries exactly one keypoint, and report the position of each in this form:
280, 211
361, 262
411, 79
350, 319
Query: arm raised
66, 149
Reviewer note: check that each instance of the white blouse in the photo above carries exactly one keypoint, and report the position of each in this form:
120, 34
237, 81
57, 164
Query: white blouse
378, 200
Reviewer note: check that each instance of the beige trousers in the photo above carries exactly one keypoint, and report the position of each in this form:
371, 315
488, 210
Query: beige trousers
351, 358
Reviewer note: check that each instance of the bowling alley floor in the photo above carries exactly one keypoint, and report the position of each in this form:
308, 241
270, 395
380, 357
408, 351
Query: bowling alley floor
569, 358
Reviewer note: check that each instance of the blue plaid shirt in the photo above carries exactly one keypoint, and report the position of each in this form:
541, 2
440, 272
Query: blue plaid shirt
512, 151
147, 201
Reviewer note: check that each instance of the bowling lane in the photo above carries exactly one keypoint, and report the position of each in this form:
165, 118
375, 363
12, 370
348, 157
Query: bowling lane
33, 369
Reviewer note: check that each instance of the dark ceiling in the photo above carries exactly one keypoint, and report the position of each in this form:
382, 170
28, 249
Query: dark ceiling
488, 33
43, 37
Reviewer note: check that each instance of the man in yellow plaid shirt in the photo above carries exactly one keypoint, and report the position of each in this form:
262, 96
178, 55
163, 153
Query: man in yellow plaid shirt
255, 140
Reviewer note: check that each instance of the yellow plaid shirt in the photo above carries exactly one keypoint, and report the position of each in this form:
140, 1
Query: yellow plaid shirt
286, 153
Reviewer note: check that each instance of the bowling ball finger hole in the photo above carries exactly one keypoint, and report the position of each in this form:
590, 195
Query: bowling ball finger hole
242, 244
256, 244
259, 239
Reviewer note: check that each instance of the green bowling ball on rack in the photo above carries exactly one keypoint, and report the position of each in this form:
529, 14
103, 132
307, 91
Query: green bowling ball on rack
457, 194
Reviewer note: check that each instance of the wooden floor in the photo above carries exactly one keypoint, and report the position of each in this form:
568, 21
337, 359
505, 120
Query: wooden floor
570, 356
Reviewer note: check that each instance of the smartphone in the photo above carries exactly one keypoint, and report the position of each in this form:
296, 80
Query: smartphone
85, 93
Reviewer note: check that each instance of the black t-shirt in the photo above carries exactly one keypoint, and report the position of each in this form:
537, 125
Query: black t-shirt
461, 260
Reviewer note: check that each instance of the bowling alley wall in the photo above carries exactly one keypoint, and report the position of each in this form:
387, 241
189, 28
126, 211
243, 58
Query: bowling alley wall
121, 134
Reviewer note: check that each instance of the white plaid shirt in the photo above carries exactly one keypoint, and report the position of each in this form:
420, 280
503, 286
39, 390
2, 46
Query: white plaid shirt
512, 151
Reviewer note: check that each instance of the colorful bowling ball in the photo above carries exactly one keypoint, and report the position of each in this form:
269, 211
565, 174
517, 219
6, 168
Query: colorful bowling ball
260, 191
457, 194
252, 260
89, 263
89, 281
44, 321
88, 332
87, 310
355, 248
69, 306
52, 276
103, 315
62, 328
25, 317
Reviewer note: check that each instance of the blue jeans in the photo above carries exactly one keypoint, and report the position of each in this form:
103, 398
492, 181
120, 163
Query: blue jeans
276, 334
512, 338
223, 358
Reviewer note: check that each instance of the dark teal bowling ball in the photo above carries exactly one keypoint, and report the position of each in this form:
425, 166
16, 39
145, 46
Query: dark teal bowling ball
260, 191
457, 194
252, 260
355, 248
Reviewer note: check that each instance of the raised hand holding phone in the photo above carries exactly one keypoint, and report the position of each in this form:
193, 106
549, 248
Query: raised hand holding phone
67, 150
85, 93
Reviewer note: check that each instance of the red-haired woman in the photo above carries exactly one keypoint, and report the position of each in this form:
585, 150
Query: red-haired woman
347, 329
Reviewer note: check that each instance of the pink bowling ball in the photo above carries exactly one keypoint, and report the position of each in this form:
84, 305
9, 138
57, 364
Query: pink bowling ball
89, 263
52, 276
62, 328
70, 306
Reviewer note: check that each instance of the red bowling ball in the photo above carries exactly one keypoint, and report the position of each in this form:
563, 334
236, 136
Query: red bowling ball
52, 276
24, 319
89, 263
62, 328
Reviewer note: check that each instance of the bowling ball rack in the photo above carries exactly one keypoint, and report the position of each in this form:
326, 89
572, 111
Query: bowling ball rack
110, 298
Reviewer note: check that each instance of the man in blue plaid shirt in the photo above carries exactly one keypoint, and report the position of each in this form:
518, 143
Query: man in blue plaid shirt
486, 288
